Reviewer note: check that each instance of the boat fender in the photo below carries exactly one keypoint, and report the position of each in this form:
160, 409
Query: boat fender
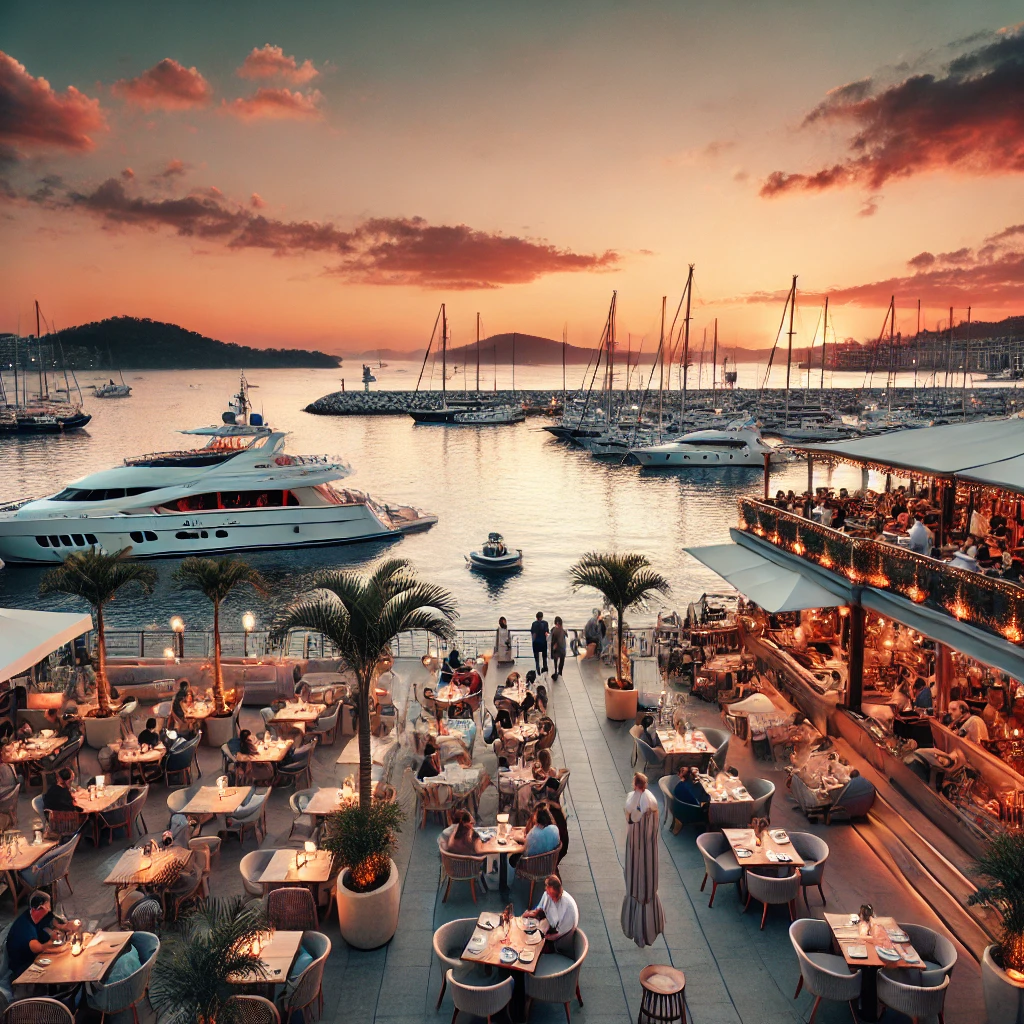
283, 460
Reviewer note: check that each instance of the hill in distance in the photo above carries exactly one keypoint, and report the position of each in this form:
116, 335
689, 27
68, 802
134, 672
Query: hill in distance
130, 343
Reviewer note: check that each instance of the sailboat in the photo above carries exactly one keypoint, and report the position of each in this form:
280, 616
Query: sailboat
112, 390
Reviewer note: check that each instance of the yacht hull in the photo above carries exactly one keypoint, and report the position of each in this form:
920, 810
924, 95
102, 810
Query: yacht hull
654, 458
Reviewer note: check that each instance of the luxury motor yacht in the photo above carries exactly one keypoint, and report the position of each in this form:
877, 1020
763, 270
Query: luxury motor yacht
738, 445
240, 492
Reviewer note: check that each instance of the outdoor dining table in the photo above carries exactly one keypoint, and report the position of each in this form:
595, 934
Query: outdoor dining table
284, 869
13, 860
765, 854
515, 843
94, 801
850, 942
271, 752
22, 751
134, 868
211, 800
199, 710
325, 800
450, 693
490, 954
678, 749
277, 950
63, 968
135, 758
299, 713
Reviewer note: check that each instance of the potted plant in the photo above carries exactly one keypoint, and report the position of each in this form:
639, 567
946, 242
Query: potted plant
362, 838
217, 939
625, 581
97, 577
217, 578
1002, 965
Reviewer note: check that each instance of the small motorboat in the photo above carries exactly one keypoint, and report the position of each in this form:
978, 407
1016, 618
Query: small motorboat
494, 556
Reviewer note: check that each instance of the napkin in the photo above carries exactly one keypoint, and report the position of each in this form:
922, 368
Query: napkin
96, 938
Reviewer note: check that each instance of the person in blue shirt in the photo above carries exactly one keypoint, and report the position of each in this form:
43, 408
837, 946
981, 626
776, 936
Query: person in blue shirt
922, 695
689, 790
542, 838
32, 933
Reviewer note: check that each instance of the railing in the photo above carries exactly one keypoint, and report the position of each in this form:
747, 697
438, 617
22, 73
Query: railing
991, 604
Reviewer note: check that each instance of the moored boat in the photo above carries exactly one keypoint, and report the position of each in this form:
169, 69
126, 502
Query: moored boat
494, 556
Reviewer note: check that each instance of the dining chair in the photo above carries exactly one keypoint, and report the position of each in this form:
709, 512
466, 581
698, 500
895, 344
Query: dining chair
772, 890
246, 1009
557, 977
38, 1010
854, 800
46, 768
720, 863
719, 739
449, 943
644, 751
126, 994
292, 909
9, 806
535, 869
914, 999
761, 792
479, 1000
252, 815
188, 887
300, 995
823, 973
814, 852
433, 798
304, 824
679, 811
300, 768
68, 823
145, 916
251, 866
937, 952
326, 726
181, 761
457, 867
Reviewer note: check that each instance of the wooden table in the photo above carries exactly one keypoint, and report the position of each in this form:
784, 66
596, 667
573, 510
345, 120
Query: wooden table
136, 757
325, 801
491, 955
271, 753
282, 870
516, 694
91, 965
516, 843
847, 936
133, 870
379, 746
109, 796
450, 693
743, 838
23, 751
200, 710
23, 857
208, 800
303, 714
278, 951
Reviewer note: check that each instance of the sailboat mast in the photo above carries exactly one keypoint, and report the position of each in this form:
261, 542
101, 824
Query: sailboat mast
824, 342
565, 331
478, 351
661, 367
39, 345
890, 380
917, 347
789, 346
967, 365
444, 356
714, 363
16, 361
686, 335
700, 368
949, 354
513, 363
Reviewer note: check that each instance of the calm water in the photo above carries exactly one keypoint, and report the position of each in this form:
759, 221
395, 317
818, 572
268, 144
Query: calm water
553, 502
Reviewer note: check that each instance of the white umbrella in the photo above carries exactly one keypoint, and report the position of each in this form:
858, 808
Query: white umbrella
643, 917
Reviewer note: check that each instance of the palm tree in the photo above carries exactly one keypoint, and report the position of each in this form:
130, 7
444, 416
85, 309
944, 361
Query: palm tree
625, 581
96, 577
216, 578
361, 614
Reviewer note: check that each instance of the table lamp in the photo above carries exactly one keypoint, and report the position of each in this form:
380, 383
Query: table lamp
502, 826
310, 848
100, 782
76, 938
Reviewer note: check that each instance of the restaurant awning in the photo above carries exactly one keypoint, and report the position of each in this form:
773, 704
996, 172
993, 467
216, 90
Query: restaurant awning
931, 451
763, 581
28, 636
1006, 475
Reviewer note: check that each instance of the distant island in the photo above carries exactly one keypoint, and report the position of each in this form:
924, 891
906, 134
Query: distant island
127, 342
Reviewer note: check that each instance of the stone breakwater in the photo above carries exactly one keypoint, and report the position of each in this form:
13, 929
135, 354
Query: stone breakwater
397, 403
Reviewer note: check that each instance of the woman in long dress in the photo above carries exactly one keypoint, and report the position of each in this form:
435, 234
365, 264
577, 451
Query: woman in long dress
503, 642
643, 917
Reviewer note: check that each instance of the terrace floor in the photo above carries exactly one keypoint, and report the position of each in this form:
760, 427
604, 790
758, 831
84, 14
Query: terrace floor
736, 974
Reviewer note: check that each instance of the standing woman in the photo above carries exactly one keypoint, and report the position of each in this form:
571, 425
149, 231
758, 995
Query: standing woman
643, 917
503, 643
558, 647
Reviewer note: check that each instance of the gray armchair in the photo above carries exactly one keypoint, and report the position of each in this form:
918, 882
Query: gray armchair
300, 995
644, 751
771, 890
251, 815
854, 800
251, 867
480, 1000
814, 852
557, 978
678, 810
937, 952
824, 974
449, 942
719, 739
720, 863
917, 1000
52, 867
761, 791
126, 994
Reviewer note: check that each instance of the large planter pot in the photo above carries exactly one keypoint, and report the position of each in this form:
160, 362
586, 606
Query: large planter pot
619, 705
369, 919
1004, 997
101, 732
217, 731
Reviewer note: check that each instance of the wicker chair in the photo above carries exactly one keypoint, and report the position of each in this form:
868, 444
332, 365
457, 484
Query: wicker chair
824, 974
433, 798
9, 807
678, 811
557, 978
917, 1001
48, 767
720, 863
252, 1010
769, 889
814, 852
187, 887
124, 816
304, 824
251, 867
449, 942
252, 815
146, 916
307, 988
38, 1011
125, 994
535, 869
461, 868
937, 952
730, 813
52, 868
292, 909
479, 1000
67, 823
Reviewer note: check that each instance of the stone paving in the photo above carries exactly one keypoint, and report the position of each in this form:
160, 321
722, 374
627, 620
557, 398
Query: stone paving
736, 974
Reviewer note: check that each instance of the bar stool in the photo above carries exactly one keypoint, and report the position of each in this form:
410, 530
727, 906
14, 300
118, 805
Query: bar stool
664, 997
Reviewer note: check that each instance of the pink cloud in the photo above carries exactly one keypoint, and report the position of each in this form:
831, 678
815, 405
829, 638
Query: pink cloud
165, 86
271, 62
257, 202
275, 104
33, 115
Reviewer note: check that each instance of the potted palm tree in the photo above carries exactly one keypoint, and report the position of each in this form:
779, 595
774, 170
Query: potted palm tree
217, 578
97, 576
625, 580
362, 840
1002, 965
190, 982
361, 614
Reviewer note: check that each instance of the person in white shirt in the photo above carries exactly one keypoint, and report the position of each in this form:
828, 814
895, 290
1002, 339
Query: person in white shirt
920, 537
640, 800
965, 723
558, 909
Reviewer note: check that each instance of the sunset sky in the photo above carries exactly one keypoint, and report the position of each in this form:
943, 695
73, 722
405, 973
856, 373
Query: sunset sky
326, 174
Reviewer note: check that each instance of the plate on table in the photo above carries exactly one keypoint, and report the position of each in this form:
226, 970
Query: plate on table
858, 951
508, 955
526, 956
897, 936
885, 953
911, 957
44, 961
477, 943
780, 836
742, 852
534, 938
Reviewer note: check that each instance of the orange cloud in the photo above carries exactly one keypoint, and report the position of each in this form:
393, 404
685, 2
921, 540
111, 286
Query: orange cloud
276, 104
165, 86
35, 116
970, 119
271, 62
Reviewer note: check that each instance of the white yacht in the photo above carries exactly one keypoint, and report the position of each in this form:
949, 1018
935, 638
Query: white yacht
738, 445
240, 492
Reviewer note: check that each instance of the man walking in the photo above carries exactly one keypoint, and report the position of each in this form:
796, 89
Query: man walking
539, 634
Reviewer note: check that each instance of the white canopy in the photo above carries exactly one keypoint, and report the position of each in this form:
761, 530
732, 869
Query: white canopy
763, 581
26, 636
1008, 475
932, 451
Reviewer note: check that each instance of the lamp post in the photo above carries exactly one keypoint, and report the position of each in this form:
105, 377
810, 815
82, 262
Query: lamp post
178, 626
248, 625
